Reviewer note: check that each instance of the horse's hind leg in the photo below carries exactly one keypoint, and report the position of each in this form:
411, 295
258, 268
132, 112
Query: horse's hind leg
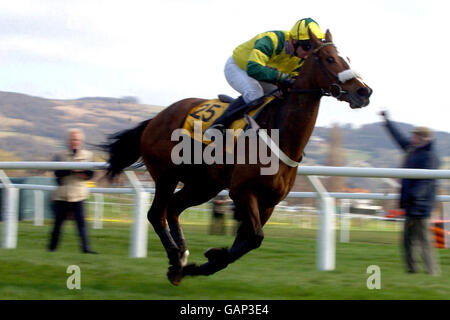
157, 217
190, 195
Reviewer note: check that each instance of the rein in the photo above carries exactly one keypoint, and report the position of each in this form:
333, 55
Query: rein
319, 92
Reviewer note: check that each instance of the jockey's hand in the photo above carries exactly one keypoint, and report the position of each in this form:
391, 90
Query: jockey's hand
284, 80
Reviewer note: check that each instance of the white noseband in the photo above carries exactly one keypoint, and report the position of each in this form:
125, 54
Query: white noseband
346, 75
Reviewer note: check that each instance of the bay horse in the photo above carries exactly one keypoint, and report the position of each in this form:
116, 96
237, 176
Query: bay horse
255, 196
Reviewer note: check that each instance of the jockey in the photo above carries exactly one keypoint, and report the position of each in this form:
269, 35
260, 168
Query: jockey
268, 60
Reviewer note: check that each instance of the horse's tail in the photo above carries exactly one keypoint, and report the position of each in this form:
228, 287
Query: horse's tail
124, 149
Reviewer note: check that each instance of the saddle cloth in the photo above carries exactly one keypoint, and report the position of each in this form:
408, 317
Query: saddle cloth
210, 110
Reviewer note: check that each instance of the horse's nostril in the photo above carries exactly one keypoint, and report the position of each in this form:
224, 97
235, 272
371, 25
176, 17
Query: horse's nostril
364, 92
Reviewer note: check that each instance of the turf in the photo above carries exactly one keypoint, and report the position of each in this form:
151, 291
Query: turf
283, 268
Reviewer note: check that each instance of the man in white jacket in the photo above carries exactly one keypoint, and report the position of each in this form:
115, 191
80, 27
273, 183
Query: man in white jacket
72, 191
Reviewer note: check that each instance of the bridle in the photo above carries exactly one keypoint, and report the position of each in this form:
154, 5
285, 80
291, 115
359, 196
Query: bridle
334, 86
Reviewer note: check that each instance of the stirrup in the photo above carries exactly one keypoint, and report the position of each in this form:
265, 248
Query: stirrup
251, 122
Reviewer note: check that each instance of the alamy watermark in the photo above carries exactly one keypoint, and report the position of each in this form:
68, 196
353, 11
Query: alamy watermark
74, 280
374, 280
249, 149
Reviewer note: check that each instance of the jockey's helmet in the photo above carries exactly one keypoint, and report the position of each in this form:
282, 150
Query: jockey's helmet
300, 30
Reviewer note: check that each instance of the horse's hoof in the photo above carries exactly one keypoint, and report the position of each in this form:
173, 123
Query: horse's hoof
175, 275
184, 258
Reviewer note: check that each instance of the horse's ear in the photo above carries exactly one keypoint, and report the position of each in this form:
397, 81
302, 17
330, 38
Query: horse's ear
328, 36
314, 40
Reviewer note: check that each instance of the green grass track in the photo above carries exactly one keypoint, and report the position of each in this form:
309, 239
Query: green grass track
283, 268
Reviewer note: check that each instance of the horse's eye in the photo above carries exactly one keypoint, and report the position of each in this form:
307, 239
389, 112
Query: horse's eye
331, 60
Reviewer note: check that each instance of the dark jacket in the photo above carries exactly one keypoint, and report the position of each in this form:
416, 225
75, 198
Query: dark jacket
417, 195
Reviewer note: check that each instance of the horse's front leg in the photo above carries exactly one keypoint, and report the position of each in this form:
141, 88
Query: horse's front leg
174, 273
157, 217
178, 236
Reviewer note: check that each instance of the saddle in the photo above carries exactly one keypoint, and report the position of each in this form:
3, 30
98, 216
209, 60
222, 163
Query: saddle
207, 112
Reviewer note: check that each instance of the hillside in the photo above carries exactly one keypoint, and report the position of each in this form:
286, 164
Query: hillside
33, 128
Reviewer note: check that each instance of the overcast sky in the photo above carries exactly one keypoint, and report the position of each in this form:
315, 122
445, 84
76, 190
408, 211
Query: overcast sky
164, 51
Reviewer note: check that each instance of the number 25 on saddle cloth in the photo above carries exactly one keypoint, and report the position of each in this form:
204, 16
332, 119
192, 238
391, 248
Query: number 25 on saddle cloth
210, 110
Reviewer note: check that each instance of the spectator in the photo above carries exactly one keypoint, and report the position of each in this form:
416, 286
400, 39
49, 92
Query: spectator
71, 191
417, 195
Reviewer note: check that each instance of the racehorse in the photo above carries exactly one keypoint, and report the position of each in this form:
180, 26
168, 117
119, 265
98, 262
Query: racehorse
255, 195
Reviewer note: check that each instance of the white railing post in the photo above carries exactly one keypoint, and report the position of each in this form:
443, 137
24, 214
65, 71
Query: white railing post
345, 220
38, 207
139, 230
326, 246
10, 213
98, 211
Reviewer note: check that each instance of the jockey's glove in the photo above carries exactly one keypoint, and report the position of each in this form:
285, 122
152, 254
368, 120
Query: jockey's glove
284, 80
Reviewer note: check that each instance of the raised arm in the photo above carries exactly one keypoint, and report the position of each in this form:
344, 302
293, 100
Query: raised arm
399, 137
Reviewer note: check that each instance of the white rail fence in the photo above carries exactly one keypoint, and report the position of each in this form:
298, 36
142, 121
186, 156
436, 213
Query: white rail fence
138, 245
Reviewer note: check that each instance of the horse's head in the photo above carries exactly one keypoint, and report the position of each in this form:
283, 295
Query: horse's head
334, 76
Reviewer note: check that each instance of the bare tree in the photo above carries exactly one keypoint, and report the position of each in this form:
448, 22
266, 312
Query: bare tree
335, 159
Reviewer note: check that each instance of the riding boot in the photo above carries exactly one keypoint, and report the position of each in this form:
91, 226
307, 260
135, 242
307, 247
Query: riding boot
234, 110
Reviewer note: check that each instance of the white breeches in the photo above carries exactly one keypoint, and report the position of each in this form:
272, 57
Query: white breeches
240, 81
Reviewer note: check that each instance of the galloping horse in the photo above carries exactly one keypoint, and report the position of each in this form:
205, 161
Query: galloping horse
324, 73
